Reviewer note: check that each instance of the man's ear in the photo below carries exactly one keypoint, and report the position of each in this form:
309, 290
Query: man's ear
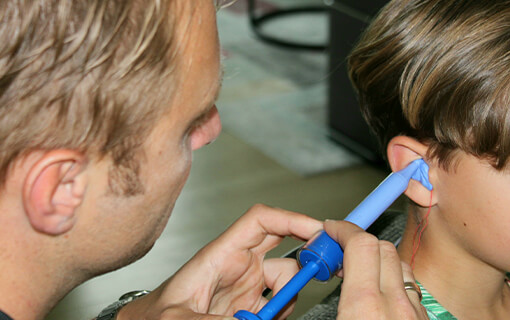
53, 190
401, 152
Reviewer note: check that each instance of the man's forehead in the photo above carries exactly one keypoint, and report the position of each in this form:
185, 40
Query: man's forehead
199, 71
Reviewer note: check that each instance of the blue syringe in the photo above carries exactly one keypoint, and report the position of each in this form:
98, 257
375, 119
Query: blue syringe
322, 257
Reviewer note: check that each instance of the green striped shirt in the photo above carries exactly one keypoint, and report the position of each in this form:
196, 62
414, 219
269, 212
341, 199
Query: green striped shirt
435, 311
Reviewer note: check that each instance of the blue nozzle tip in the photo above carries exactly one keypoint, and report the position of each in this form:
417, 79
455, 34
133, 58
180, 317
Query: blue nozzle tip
422, 174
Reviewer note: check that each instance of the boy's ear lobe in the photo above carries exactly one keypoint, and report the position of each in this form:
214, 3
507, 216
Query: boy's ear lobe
53, 190
401, 152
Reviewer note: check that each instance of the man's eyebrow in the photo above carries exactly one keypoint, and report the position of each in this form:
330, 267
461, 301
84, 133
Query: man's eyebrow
217, 92
220, 84
205, 113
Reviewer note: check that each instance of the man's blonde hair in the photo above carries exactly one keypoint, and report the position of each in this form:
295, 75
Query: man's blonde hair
85, 75
439, 71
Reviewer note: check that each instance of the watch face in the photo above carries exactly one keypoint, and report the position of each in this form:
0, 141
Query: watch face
111, 311
133, 295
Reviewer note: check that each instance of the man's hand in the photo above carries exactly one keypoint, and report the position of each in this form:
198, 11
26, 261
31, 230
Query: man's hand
230, 273
374, 276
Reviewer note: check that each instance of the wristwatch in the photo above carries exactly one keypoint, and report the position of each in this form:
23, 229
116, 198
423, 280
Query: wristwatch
110, 312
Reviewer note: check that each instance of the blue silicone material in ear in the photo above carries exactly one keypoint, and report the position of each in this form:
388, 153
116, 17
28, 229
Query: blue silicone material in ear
322, 257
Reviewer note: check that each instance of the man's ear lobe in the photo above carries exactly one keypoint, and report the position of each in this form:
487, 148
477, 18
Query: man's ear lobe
401, 152
53, 190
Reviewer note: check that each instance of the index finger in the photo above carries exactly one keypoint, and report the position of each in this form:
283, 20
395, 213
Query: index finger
262, 221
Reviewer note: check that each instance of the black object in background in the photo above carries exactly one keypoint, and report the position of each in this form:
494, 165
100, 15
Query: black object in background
348, 19
257, 20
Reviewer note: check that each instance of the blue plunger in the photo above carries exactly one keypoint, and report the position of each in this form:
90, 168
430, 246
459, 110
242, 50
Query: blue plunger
322, 257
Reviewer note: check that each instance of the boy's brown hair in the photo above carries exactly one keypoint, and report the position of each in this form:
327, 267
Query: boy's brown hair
85, 75
438, 71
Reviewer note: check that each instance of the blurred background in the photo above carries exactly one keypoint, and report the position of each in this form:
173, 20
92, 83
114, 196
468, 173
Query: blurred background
293, 138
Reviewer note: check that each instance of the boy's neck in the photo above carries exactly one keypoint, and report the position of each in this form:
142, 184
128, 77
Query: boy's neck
463, 284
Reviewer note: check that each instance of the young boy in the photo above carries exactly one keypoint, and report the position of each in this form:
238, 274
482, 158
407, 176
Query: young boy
433, 78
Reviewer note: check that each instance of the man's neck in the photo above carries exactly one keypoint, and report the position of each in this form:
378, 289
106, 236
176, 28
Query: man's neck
28, 291
35, 271
464, 285
32, 278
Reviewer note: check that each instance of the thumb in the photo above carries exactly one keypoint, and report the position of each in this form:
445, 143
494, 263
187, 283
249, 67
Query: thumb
174, 312
180, 313
277, 273
342, 231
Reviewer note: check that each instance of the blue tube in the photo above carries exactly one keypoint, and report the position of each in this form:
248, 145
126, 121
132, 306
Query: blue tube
387, 192
280, 300
289, 291
322, 257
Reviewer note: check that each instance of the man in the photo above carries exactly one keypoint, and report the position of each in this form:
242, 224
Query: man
101, 105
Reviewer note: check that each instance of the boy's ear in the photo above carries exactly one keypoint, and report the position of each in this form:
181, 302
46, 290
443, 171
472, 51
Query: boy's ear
53, 190
401, 152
